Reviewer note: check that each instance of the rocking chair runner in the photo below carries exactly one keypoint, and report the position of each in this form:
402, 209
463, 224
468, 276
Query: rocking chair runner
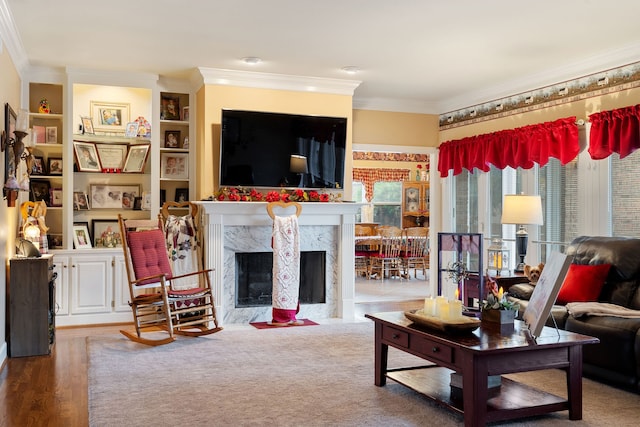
155, 304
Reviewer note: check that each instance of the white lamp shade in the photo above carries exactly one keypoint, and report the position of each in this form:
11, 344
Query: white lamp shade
522, 209
298, 164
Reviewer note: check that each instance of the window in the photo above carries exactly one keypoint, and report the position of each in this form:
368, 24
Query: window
625, 195
384, 208
465, 199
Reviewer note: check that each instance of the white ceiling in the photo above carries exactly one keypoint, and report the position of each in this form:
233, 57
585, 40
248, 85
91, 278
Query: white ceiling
414, 55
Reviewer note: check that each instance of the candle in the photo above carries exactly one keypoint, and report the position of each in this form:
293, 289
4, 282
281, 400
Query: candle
455, 309
436, 306
443, 309
429, 306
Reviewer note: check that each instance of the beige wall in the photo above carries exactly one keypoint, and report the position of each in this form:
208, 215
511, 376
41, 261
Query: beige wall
9, 92
212, 99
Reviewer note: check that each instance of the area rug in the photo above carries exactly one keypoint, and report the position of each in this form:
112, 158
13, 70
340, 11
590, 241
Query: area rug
321, 376
266, 325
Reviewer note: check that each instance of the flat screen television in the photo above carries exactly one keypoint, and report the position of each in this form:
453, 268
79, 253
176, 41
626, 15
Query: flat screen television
263, 149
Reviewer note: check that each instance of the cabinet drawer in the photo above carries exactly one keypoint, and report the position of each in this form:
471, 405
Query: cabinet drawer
432, 349
395, 336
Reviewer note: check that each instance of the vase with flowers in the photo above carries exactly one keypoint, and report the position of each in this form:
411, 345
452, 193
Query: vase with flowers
497, 308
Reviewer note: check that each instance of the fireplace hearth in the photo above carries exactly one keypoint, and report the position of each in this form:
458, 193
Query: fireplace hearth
254, 278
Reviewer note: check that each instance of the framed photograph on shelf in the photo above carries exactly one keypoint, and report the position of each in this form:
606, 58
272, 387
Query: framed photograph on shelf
131, 130
174, 165
86, 156
136, 158
109, 116
54, 165
37, 166
104, 196
40, 191
185, 114
169, 108
81, 236
106, 233
87, 125
54, 241
52, 135
163, 196
146, 201
56, 197
80, 201
182, 195
112, 156
171, 139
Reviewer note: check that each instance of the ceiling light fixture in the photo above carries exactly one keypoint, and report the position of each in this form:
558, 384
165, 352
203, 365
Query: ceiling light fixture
251, 60
350, 69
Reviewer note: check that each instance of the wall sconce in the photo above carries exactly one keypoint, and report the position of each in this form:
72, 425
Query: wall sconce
522, 210
298, 165
16, 129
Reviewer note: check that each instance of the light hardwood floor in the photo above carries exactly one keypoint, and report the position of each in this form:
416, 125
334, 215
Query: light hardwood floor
52, 390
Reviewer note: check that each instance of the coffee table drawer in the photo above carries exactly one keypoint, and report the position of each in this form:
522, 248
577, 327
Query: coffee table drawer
432, 349
395, 336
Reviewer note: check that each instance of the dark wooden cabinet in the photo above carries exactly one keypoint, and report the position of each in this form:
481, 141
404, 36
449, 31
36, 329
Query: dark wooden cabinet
505, 281
31, 306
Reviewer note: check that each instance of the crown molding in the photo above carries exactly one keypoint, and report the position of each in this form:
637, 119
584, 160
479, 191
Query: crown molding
611, 59
11, 39
393, 149
259, 80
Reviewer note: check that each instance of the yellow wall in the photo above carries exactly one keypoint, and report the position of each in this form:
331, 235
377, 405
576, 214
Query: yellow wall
212, 99
581, 109
9, 92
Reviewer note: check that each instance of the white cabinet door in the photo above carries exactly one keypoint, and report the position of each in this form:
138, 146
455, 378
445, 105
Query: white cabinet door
61, 268
91, 283
121, 285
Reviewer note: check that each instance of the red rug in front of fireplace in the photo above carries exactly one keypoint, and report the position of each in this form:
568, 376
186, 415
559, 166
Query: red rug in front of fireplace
266, 325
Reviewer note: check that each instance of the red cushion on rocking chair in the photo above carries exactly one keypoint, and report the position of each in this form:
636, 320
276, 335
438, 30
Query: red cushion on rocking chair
149, 254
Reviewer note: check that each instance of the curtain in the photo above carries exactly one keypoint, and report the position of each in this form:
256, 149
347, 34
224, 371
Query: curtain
614, 131
521, 147
369, 176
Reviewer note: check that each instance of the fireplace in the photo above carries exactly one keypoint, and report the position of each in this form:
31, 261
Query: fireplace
254, 278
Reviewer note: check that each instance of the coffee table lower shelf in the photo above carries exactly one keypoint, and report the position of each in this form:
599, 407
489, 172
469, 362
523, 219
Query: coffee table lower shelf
511, 400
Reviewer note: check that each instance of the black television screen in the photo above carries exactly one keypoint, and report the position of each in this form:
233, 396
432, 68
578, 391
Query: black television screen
260, 149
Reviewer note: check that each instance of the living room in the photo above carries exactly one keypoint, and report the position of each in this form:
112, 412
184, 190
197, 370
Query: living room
589, 197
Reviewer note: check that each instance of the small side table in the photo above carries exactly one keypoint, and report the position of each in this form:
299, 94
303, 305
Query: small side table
504, 281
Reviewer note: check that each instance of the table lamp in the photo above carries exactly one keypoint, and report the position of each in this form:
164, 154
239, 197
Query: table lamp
521, 210
298, 165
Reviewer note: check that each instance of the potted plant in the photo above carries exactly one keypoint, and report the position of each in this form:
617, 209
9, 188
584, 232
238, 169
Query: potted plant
497, 308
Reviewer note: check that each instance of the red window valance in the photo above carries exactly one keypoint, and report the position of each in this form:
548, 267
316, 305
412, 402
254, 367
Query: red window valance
521, 147
369, 176
614, 131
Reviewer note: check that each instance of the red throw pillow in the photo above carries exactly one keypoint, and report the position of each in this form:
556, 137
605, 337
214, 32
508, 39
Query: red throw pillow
583, 283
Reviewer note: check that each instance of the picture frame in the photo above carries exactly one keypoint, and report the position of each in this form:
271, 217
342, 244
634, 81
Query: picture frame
87, 125
185, 113
112, 156
106, 233
37, 166
146, 201
55, 196
54, 241
174, 165
54, 165
131, 130
40, 190
86, 155
136, 158
182, 195
110, 117
163, 196
80, 201
51, 134
106, 196
172, 139
169, 107
81, 236
545, 292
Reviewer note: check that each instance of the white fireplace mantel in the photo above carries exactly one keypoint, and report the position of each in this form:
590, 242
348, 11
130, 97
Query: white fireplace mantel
219, 215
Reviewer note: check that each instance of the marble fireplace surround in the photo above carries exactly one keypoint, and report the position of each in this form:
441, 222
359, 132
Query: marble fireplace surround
230, 227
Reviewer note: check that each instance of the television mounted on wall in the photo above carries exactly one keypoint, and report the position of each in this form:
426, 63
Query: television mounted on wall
266, 149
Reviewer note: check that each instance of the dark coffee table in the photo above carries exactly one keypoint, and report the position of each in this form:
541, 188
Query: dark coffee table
476, 356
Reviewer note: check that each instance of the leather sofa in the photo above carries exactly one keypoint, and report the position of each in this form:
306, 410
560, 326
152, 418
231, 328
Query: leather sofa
616, 359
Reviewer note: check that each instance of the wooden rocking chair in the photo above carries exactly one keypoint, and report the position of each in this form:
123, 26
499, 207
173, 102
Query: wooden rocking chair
156, 305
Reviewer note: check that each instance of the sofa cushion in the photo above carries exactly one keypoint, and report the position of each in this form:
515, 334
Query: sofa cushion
583, 283
521, 291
